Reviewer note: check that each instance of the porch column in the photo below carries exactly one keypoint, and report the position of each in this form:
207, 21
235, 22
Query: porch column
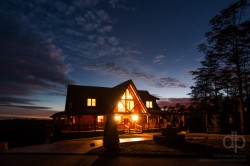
159, 125
59, 121
95, 123
148, 122
79, 118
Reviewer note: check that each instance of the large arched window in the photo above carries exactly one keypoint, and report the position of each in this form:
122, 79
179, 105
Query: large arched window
130, 102
127, 103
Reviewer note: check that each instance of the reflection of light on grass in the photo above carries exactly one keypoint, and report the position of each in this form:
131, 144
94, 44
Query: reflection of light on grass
131, 139
136, 139
183, 132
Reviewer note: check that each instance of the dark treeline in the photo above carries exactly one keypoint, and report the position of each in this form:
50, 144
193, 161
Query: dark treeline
23, 132
221, 93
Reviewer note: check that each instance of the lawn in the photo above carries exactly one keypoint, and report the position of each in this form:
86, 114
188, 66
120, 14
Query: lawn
201, 146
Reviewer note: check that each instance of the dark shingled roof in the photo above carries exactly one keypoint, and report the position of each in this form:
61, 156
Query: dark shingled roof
145, 96
106, 99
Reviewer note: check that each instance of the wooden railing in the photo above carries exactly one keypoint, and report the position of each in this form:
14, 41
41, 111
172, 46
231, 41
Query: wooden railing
126, 129
82, 127
138, 128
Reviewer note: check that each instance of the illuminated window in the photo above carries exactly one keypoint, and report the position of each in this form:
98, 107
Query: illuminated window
100, 119
91, 102
127, 95
126, 104
121, 107
149, 104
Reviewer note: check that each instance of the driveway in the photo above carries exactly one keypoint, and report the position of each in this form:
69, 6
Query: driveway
75, 146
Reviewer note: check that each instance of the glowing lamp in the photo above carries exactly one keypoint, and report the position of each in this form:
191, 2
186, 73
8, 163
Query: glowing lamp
117, 118
134, 117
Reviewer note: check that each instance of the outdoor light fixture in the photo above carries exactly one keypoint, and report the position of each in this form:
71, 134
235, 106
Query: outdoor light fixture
134, 117
117, 118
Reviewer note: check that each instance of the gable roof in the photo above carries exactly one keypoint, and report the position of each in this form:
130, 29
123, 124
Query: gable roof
76, 100
125, 85
106, 98
146, 96
117, 93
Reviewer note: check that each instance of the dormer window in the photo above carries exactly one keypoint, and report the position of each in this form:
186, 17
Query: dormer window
91, 102
149, 104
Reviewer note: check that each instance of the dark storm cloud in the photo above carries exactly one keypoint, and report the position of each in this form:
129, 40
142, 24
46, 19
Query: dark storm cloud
17, 102
8, 100
118, 70
41, 39
29, 63
29, 107
79, 27
15, 112
30, 60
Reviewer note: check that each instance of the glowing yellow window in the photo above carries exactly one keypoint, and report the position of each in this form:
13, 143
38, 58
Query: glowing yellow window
100, 119
149, 104
91, 102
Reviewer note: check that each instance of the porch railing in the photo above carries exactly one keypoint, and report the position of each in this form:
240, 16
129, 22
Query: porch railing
120, 127
138, 128
126, 129
83, 127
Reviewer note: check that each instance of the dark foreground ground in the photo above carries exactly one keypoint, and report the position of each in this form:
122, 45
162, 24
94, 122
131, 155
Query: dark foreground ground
195, 145
198, 149
96, 160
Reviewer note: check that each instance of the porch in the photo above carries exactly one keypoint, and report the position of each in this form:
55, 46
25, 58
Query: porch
122, 128
126, 123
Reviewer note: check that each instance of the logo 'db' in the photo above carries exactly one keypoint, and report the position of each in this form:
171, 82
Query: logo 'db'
234, 138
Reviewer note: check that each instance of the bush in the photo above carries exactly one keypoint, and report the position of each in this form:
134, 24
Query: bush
169, 136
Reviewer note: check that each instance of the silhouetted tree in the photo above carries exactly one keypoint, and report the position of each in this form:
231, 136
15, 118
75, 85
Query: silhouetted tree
225, 70
110, 137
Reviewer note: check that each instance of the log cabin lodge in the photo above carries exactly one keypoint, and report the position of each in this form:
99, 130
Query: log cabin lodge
87, 108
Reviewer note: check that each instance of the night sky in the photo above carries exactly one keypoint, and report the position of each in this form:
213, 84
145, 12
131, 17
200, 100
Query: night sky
47, 44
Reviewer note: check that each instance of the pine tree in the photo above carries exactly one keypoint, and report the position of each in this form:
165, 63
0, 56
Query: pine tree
225, 70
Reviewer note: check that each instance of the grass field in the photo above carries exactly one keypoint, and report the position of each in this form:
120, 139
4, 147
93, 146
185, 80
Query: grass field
200, 144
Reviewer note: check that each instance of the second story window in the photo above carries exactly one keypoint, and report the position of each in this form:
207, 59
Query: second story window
91, 102
149, 104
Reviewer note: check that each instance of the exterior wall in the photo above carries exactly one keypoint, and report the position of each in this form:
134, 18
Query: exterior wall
89, 122
85, 120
